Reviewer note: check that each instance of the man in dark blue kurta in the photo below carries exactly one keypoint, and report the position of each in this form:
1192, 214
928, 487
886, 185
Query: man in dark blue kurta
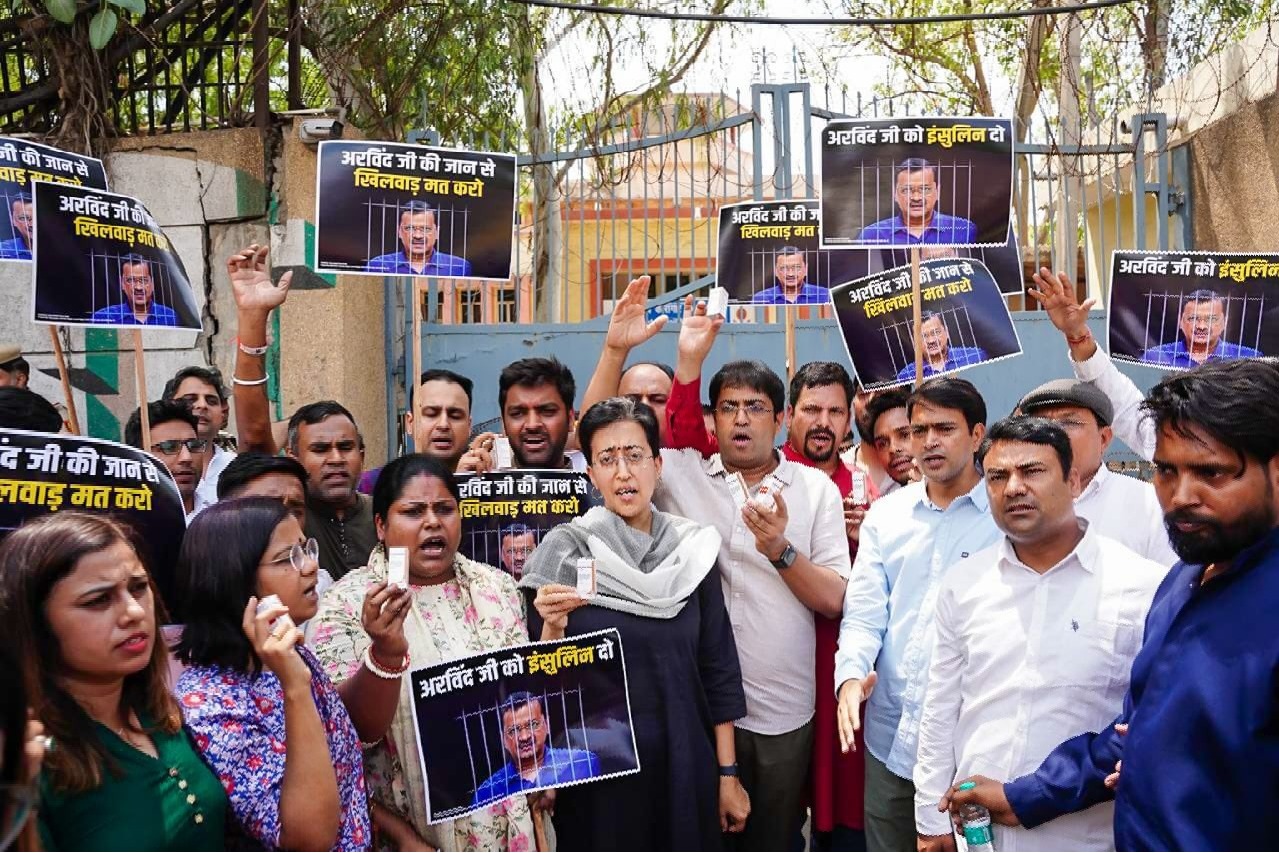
1201, 753
533, 764
916, 191
418, 233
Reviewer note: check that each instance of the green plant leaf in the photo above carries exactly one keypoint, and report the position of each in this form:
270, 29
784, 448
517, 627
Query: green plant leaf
137, 7
63, 10
101, 28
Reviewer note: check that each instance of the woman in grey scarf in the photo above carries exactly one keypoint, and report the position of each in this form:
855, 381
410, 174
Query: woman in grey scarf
656, 583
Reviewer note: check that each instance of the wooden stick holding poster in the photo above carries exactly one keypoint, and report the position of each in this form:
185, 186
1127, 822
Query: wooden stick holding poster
917, 312
61, 359
415, 363
140, 379
790, 346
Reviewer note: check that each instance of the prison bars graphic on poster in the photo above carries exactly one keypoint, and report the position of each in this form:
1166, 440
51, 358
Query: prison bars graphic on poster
963, 317
385, 208
1175, 310
912, 181
505, 514
558, 711
101, 260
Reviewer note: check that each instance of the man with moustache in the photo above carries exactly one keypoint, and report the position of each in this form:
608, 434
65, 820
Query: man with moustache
22, 212
790, 268
916, 192
888, 437
139, 307
535, 396
533, 762
908, 541
419, 254
175, 442
780, 567
1200, 761
515, 543
1035, 638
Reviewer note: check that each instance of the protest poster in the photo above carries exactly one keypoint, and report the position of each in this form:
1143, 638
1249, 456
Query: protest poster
22, 163
384, 208
965, 321
769, 255
526, 718
505, 514
42, 473
1176, 310
101, 260
1004, 262
916, 181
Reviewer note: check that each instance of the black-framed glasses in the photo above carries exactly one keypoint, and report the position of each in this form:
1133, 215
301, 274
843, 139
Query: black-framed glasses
17, 801
174, 445
300, 551
532, 727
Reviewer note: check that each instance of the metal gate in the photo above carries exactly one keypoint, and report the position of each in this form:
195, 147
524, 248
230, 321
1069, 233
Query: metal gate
646, 201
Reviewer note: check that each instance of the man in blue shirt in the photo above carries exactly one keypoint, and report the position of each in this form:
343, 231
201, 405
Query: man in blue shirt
909, 540
533, 764
1201, 759
1202, 322
21, 215
918, 220
939, 355
792, 288
139, 307
419, 232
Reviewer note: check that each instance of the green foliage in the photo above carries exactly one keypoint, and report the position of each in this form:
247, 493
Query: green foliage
62, 10
101, 28
137, 7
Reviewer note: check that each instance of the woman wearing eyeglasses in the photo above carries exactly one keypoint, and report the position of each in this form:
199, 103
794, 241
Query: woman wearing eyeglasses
264, 714
460, 607
79, 614
656, 583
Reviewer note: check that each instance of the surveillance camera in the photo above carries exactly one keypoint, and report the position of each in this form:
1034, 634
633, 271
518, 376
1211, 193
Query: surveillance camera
314, 130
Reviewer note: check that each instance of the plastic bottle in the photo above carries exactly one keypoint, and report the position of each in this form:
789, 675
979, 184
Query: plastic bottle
977, 826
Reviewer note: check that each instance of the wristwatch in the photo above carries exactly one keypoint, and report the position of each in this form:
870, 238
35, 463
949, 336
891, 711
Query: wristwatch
786, 559
728, 770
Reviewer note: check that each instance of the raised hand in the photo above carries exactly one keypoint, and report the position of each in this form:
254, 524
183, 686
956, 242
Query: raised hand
697, 332
251, 281
1056, 293
628, 328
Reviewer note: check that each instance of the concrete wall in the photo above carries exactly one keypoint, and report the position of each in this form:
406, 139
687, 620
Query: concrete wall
1235, 179
213, 194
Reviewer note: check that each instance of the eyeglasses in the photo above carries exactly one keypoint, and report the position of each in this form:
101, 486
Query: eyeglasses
917, 192
532, 727
754, 409
17, 800
175, 445
310, 551
634, 456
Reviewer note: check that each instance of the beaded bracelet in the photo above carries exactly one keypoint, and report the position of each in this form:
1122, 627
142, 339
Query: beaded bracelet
377, 669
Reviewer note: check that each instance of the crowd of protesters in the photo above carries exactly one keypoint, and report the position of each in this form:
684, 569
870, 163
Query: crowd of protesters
958, 596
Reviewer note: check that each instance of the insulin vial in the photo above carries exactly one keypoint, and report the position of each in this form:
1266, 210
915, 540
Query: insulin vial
397, 567
717, 302
274, 601
764, 500
502, 453
585, 577
860, 493
976, 820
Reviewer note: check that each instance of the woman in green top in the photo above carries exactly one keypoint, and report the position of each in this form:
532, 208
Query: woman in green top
78, 609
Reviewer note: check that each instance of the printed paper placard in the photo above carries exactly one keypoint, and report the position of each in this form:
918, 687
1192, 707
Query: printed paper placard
505, 514
21, 164
965, 322
769, 255
916, 181
527, 718
102, 260
1176, 310
42, 473
384, 208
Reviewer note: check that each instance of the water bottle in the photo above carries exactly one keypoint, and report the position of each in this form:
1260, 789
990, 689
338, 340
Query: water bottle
976, 820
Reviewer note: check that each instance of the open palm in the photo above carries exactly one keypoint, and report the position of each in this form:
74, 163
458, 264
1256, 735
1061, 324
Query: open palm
629, 326
251, 280
697, 330
1056, 293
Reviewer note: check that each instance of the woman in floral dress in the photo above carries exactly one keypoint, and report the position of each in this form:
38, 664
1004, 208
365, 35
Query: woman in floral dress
459, 607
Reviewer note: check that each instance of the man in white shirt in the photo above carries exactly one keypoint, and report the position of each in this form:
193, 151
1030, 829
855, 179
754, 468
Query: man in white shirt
1056, 293
778, 566
909, 540
1035, 637
1121, 507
